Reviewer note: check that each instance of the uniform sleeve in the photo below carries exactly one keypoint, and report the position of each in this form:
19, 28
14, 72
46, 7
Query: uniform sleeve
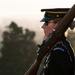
60, 58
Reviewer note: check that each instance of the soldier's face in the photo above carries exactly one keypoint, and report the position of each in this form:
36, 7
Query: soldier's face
48, 27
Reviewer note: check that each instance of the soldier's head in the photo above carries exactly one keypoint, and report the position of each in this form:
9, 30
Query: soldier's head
51, 18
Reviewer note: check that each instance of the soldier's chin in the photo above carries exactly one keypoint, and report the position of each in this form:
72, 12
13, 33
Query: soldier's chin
46, 35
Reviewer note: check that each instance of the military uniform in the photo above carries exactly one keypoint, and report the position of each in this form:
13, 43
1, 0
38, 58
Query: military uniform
60, 59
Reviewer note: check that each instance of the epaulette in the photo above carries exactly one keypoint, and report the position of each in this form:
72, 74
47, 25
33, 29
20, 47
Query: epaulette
59, 46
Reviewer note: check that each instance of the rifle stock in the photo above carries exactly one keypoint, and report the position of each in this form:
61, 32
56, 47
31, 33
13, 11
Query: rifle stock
51, 40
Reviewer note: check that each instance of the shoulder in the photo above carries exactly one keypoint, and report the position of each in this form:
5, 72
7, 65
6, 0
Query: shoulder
58, 51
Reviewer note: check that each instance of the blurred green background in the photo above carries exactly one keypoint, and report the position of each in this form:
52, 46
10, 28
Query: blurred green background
18, 49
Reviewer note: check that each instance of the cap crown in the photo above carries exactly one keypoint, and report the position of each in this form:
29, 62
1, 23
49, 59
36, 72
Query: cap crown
54, 13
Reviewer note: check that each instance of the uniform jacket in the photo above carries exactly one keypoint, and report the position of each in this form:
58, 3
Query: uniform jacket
60, 59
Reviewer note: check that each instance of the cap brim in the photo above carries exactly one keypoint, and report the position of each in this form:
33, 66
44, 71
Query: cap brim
45, 19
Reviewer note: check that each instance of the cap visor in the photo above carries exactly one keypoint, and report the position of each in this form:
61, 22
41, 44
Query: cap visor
45, 19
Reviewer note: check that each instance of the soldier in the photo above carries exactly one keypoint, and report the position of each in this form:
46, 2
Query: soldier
60, 59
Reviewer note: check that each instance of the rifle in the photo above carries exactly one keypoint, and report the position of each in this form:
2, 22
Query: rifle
48, 43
